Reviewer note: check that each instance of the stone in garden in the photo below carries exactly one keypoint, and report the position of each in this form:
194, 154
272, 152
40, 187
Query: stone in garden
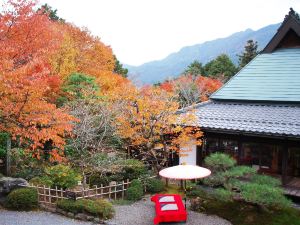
71, 215
80, 216
60, 211
90, 218
96, 220
7, 184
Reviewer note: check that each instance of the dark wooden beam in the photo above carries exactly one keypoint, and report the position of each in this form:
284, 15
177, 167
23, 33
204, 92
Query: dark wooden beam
285, 149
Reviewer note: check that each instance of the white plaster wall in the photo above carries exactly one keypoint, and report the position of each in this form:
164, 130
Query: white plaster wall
189, 155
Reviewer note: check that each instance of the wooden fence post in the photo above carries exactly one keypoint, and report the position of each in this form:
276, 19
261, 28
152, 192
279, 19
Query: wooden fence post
116, 191
44, 191
61, 193
56, 194
109, 192
101, 191
123, 187
49, 191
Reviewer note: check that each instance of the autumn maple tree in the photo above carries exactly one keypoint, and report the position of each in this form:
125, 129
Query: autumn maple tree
27, 40
192, 89
149, 124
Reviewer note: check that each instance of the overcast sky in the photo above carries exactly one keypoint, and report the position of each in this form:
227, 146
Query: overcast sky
144, 30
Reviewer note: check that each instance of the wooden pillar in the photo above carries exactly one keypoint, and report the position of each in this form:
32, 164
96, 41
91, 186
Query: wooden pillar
285, 153
219, 144
198, 155
240, 145
8, 156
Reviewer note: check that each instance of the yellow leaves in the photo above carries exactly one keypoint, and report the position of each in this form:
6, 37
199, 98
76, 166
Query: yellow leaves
63, 61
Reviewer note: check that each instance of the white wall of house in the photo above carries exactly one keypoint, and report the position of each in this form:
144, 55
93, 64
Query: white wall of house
188, 154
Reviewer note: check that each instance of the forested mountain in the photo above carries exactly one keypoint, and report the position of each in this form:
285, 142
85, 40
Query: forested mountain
176, 63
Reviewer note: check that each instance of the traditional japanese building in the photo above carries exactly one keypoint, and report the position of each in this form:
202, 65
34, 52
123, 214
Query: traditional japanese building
255, 116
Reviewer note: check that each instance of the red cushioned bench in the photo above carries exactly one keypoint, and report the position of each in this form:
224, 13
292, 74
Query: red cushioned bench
169, 208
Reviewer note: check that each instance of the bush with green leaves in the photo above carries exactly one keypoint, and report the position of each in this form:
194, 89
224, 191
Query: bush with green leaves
100, 207
243, 183
22, 199
135, 191
133, 169
223, 195
63, 176
98, 179
264, 179
154, 185
41, 181
214, 180
264, 194
218, 162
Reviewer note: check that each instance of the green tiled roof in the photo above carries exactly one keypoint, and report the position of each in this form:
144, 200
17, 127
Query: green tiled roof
269, 77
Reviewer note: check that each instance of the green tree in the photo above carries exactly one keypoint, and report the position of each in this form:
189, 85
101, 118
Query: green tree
195, 68
79, 85
250, 51
119, 69
220, 66
47, 9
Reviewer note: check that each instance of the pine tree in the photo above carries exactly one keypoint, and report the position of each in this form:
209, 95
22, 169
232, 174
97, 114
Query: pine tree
250, 51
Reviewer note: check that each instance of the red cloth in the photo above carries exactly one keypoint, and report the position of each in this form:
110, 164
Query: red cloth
170, 215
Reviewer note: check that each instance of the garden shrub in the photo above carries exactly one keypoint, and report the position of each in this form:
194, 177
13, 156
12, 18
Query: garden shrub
99, 207
135, 182
70, 205
98, 179
135, 191
196, 193
263, 194
154, 185
25, 165
23, 199
133, 169
264, 179
106, 209
239, 171
219, 162
63, 176
40, 181
223, 195
214, 180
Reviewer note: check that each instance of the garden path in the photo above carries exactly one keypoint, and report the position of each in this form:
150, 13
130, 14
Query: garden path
36, 218
142, 213
138, 213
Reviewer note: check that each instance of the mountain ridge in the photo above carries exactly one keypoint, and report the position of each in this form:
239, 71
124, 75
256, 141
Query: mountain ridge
175, 63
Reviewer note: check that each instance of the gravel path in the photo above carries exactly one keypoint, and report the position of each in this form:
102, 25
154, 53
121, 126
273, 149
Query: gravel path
139, 213
142, 213
36, 218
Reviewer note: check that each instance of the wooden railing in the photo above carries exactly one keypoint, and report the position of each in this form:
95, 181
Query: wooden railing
52, 195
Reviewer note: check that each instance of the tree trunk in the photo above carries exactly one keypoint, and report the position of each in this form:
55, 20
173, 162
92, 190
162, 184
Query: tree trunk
8, 156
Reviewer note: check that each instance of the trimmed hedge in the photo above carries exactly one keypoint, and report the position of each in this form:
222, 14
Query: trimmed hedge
99, 207
22, 199
154, 185
135, 191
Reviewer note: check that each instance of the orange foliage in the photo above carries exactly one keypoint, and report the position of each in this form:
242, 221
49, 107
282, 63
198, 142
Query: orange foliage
148, 116
25, 112
25, 35
200, 86
81, 52
28, 39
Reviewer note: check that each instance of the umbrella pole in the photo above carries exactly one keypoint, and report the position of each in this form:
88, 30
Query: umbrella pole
185, 194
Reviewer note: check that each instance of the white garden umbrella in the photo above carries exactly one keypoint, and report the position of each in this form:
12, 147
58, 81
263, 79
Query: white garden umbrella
185, 172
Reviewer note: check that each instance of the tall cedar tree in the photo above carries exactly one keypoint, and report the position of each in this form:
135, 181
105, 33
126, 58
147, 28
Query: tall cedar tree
222, 66
250, 51
195, 69
119, 69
